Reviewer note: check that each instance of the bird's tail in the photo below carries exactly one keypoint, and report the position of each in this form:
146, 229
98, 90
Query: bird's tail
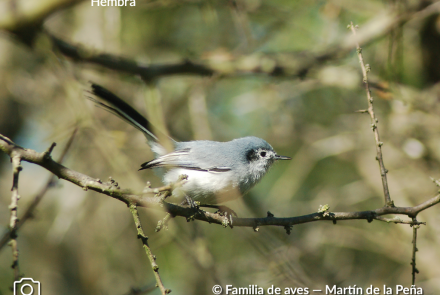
123, 110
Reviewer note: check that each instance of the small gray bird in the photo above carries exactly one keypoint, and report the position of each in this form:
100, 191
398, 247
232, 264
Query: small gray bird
217, 171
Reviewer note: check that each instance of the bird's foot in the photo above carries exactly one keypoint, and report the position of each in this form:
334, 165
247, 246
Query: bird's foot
190, 203
223, 211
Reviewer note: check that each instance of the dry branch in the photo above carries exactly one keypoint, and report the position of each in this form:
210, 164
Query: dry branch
150, 201
32, 206
122, 64
29, 24
13, 207
414, 250
374, 122
151, 257
24, 19
288, 65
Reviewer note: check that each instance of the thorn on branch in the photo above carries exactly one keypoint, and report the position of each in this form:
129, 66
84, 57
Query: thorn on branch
12, 235
13, 207
192, 218
48, 153
142, 237
362, 111
288, 229
18, 168
269, 214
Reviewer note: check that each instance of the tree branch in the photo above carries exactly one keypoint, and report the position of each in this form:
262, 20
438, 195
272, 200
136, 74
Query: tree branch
374, 122
287, 65
13, 207
31, 208
121, 64
414, 250
24, 20
150, 201
151, 257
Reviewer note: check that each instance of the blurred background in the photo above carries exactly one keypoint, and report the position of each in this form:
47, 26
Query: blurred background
85, 243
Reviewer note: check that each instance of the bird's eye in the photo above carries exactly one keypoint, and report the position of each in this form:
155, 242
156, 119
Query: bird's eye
263, 154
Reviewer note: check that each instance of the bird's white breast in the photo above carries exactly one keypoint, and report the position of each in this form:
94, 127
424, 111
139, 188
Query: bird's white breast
206, 187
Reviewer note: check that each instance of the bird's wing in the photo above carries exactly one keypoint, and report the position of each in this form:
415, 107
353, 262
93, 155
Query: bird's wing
181, 158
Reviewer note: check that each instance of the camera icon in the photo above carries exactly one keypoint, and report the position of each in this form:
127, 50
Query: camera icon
27, 286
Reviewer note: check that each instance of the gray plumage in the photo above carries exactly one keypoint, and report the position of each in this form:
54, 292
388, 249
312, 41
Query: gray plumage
217, 171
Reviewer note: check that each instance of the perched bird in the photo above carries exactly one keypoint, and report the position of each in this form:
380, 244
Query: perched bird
217, 171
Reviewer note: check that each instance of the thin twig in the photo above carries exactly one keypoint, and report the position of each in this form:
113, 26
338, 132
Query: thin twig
49, 184
167, 188
374, 121
436, 181
151, 257
397, 220
13, 207
414, 250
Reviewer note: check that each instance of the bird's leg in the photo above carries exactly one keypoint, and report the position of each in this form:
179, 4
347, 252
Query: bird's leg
190, 202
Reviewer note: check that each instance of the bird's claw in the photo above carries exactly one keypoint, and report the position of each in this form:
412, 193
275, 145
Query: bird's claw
191, 203
226, 212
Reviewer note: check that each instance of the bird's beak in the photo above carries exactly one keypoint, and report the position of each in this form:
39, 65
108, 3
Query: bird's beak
278, 157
